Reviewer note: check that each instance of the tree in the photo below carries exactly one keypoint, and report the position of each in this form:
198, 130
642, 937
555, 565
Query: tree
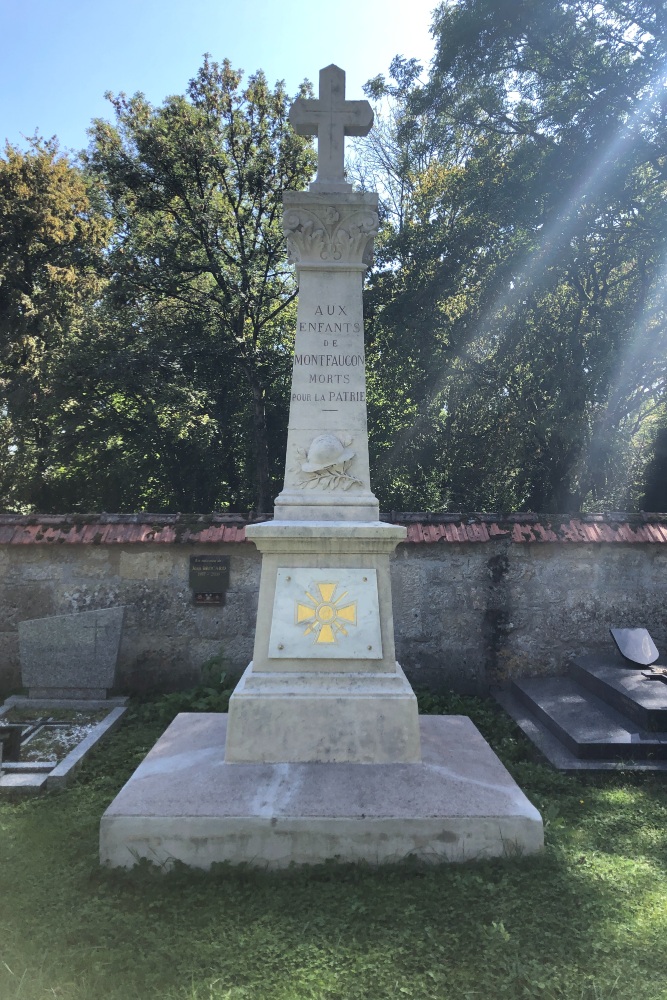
195, 188
527, 278
51, 237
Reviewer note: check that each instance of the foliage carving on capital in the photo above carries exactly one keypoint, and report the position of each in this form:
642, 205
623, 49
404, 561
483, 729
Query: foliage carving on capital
332, 234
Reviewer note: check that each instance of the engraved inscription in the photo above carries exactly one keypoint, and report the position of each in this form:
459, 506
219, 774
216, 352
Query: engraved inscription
334, 360
331, 397
343, 386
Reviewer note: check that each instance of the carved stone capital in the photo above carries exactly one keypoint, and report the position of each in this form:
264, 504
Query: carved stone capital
329, 229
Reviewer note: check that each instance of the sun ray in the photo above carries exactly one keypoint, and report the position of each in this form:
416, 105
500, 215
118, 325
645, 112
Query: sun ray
553, 239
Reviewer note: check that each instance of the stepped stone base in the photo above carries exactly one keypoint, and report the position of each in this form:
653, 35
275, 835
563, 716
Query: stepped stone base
603, 716
185, 803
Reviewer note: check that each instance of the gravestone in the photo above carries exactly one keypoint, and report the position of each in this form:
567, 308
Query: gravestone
71, 656
324, 752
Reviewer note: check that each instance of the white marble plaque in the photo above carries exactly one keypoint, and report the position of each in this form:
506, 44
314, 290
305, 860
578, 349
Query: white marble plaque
326, 614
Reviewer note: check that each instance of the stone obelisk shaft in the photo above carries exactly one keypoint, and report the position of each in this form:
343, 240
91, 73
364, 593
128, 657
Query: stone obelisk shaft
327, 477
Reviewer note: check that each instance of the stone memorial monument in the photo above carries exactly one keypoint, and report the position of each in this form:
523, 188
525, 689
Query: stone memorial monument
324, 684
324, 752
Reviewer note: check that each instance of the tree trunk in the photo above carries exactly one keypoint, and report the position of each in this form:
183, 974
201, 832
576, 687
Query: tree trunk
261, 449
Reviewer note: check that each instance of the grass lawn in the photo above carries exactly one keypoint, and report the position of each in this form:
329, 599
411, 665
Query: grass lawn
586, 920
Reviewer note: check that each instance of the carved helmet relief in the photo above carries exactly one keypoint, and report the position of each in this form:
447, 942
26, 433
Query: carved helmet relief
326, 450
326, 463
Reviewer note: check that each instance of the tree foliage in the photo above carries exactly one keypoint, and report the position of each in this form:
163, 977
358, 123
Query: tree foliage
153, 374
515, 315
51, 239
199, 274
518, 309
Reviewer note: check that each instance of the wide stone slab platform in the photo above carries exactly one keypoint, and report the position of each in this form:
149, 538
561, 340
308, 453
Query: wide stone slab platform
185, 803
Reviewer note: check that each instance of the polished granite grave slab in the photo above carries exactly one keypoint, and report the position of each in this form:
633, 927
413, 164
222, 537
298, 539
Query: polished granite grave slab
623, 687
185, 803
585, 723
71, 656
603, 715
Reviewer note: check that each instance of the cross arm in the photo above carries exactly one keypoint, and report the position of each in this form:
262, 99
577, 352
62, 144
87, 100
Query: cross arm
307, 116
359, 117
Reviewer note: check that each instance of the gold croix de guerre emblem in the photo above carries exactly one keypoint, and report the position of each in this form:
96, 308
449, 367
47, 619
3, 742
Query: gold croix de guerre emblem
326, 615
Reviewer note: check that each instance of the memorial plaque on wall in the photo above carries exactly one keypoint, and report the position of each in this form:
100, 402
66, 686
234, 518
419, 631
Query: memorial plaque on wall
209, 579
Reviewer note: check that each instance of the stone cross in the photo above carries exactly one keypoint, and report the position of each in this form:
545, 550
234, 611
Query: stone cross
331, 118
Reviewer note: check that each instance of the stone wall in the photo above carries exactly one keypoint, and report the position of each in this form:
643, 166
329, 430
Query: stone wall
166, 638
466, 614
469, 616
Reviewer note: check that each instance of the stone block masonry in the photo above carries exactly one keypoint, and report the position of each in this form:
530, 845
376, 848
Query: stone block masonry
477, 599
166, 637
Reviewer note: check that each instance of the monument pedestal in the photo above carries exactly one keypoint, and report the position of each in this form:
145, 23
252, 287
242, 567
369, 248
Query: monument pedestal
324, 684
356, 717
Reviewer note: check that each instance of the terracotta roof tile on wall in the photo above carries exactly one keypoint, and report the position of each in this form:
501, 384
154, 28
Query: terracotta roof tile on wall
121, 529
587, 528
423, 528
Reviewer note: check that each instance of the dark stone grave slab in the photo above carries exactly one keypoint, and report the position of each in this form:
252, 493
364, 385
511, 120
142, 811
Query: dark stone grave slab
556, 752
605, 714
636, 645
585, 724
623, 687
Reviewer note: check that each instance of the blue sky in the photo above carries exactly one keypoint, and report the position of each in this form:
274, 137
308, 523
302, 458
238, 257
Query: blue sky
58, 57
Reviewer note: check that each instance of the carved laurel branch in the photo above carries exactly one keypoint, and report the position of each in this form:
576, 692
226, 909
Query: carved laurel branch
332, 477
325, 235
